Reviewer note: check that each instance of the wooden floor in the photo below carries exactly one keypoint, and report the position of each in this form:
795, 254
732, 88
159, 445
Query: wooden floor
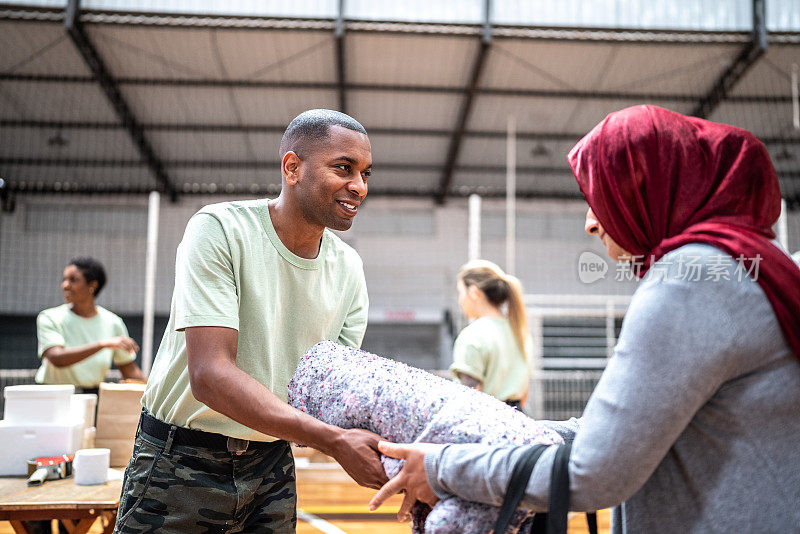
330, 502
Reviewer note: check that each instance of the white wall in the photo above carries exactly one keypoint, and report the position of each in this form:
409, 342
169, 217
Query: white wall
411, 249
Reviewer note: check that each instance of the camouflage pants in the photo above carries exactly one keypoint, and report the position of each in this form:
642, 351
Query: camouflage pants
175, 488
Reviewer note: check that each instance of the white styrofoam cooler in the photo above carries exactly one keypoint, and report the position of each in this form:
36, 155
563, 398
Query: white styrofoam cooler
25, 441
38, 421
38, 404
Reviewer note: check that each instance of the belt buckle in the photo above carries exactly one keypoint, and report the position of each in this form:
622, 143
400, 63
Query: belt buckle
237, 446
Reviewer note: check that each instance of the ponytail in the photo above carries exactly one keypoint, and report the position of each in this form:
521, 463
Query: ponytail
516, 313
500, 288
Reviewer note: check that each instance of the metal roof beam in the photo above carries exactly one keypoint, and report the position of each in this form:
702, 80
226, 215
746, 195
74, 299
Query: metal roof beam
341, 79
278, 129
432, 89
109, 86
454, 147
736, 71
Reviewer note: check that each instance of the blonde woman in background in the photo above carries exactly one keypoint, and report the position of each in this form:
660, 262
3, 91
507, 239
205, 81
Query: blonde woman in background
492, 353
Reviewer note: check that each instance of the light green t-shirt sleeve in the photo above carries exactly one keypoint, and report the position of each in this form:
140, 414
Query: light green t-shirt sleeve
355, 324
120, 356
205, 285
468, 356
48, 333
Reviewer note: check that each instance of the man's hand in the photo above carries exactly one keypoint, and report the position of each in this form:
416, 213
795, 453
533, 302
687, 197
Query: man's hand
356, 451
121, 343
411, 478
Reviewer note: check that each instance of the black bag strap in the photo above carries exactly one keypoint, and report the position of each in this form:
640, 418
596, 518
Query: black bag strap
516, 486
554, 522
559, 491
591, 520
559, 494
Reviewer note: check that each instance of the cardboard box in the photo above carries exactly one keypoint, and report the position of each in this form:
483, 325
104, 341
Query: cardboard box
118, 412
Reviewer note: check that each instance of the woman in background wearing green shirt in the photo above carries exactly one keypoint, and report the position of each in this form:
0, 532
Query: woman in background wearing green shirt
79, 340
491, 354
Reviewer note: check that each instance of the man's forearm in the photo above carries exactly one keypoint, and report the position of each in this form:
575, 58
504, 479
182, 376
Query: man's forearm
232, 392
131, 371
62, 357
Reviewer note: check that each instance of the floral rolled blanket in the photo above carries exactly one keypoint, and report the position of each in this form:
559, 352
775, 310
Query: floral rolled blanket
351, 388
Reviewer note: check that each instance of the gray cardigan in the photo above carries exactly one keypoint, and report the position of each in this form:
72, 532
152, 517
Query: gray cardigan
694, 425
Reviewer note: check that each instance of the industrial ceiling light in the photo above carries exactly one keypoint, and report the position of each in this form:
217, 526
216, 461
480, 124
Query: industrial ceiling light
539, 150
57, 141
784, 155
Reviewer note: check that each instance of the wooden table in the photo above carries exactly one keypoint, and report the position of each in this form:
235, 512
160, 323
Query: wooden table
77, 507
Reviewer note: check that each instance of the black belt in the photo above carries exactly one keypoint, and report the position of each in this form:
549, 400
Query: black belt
194, 438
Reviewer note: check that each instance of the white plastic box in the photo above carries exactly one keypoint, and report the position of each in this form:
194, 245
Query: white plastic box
24, 441
38, 404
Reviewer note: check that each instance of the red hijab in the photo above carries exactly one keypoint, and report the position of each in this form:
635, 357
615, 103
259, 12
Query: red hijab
658, 180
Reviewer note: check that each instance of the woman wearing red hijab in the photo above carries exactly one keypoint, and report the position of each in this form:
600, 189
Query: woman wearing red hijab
695, 423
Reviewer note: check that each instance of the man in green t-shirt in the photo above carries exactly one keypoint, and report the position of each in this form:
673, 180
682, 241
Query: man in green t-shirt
256, 284
79, 340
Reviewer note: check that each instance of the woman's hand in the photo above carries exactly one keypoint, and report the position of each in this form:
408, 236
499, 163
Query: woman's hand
411, 479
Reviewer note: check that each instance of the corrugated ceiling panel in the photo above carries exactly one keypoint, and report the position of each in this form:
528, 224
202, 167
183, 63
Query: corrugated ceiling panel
54, 102
407, 149
544, 65
470, 11
404, 109
409, 59
552, 114
585, 114
280, 106
532, 114
684, 14
783, 15
66, 143
272, 8
179, 104
200, 53
770, 75
671, 69
37, 48
628, 67
204, 105
762, 120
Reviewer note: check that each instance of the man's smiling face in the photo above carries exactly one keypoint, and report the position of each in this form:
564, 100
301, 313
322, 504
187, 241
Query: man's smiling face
333, 176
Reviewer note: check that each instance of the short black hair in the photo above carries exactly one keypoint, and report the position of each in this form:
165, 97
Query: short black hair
314, 125
92, 270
